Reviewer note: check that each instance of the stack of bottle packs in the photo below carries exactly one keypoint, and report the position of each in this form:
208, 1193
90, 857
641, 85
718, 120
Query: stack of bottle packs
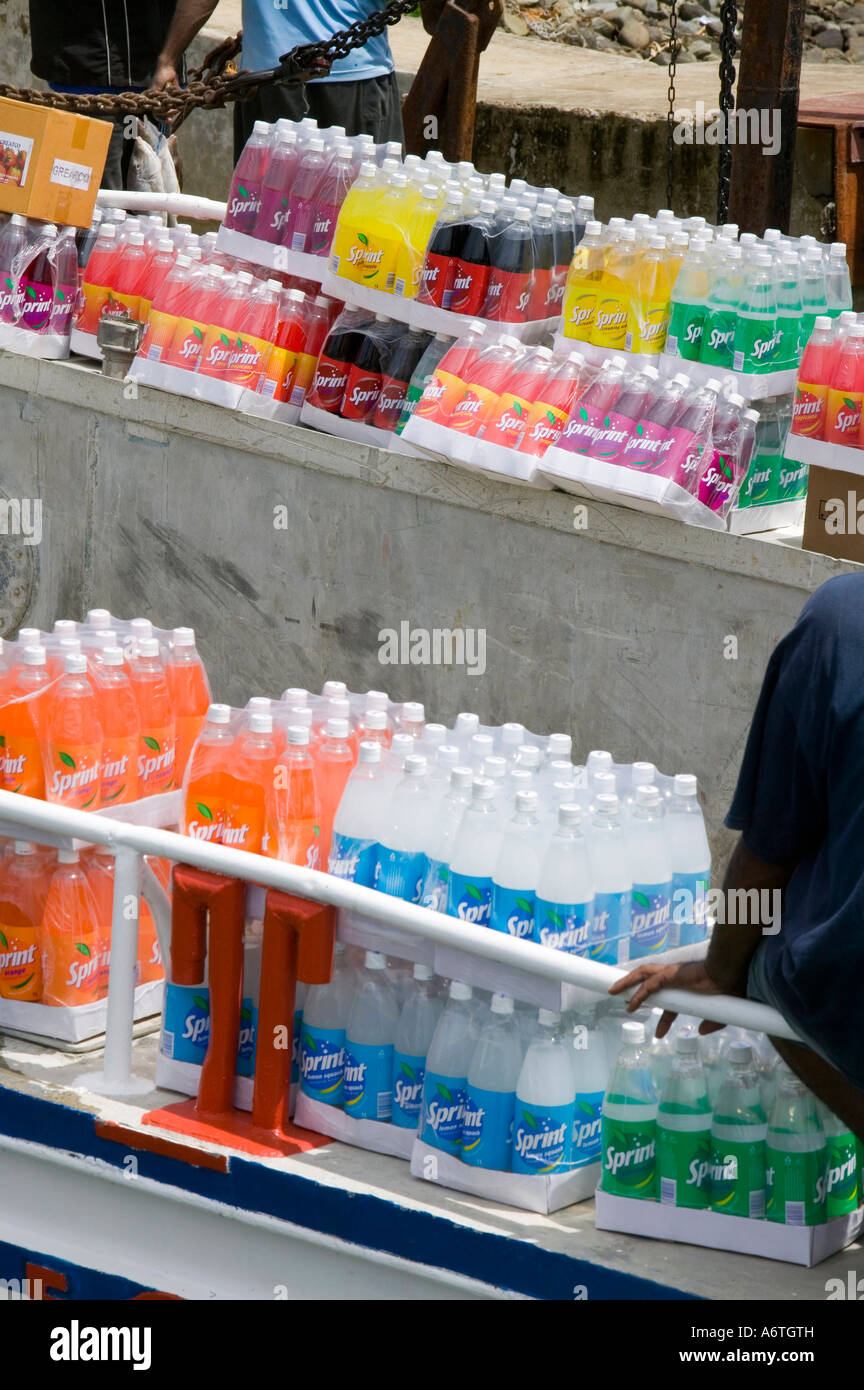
827, 424
774, 490
38, 286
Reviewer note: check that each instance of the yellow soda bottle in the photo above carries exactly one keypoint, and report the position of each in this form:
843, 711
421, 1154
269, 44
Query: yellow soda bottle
392, 227
615, 292
583, 279
651, 302
410, 256
351, 256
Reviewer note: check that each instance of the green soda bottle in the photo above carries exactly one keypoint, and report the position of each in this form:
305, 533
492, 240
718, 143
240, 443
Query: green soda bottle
756, 340
721, 314
629, 1127
738, 1131
687, 306
842, 1165
795, 1155
684, 1129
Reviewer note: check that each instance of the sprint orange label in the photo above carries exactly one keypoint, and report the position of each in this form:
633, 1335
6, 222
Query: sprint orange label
156, 753
185, 349
119, 771
73, 777
20, 963
72, 963
21, 766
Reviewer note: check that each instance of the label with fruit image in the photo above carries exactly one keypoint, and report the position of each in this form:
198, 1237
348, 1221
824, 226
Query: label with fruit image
439, 397
71, 962
15, 152
508, 422
409, 1073
34, 304
244, 207
611, 318
158, 334
487, 1128
563, 926
185, 349
470, 899
542, 1138
513, 911
650, 919
21, 765
809, 405
684, 335
471, 410
156, 751
843, 417
587, 1123
717, 482
20, 963
543, 429
580, 306
601, 434
647, 447
73, 778
247, 360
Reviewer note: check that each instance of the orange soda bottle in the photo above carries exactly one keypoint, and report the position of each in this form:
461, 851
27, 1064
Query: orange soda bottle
293, 807
23, 890
157, 744
20, 726
334, 760
70, 940
72, 748
121, 730
250, 777
97, 865
190, 693
207, 788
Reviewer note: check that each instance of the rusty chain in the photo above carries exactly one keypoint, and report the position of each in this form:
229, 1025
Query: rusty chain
728, 49
217, 81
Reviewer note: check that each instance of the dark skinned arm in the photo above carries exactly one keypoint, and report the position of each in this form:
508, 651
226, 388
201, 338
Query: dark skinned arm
189, 17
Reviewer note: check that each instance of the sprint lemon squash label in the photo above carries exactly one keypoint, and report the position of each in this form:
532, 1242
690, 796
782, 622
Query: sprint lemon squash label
487, 1127
408, 1075
443, 1112
841, 1175
369, 1080
629, 1154
513, 911
542, 1138
796, 1186
737, 1175
650, 912
563, 926
322, 1060
470, 899
587, 1127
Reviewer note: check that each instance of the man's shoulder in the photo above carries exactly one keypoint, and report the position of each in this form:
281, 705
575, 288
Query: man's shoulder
838, 606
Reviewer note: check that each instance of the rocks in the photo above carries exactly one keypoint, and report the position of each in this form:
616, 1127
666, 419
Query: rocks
634, 34
701, 48
829, 37
515, 24
689, 9
602, 26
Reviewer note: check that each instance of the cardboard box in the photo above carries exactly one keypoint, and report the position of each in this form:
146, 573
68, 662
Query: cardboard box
540, 1192
374, 1135
834, 518
51, 162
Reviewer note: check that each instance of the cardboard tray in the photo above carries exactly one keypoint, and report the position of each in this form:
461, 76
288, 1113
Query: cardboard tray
801, 1245
642, 492
330, 423
428, 316
78, 1022
29, 344
743, 521
800, 448
272, 257
361, 1134
544, 1193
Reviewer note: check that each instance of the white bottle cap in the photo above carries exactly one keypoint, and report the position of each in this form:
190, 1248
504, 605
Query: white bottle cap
183, 637
261, 724
593, 228
98, 617
512, 735
368, 752
501, 1004
261, 128
648, 795
458, 990
297, 735
415, 765
403, 745
336, 728
684, 784
483, 789
67, 856
526, 802
65, 627
528, 756
467, 724
423, 972
377, 699
334, 690
632, 1033
434, 735
149, 647
569, 814
140, 627
462, 778
822, 322
481, 746
739, 1053
495, 768
447, 755
375, 961
33, 656
295, 697
375, 719
412, 712
24, 847
604, 782
219, 714
599, 760
607, 803
563, 770
559, 746
258, 704
687, 1045
75, 664
339, 709
29, 636
549, 1018
111, 656
303, 717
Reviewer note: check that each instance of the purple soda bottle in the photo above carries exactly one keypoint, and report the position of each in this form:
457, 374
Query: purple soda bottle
691, 435
631, 405
592, 427
652, 438
247, 184
65, 282
329, 197
13, 239
302, 198
36, 286
272, 220
721, 476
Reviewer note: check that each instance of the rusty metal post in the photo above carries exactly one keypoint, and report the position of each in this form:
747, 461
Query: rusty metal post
769, 76
439, 111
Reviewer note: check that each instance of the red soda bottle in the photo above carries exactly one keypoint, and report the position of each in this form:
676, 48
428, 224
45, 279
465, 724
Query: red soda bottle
509, 418
485, 381
337, 356
366, 372
548, 414
542, 304
511, 279
445, 246
448, 380
846, 391
810, 403
473, 264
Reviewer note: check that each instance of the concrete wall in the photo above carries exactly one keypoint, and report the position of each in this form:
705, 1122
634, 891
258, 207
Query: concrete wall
615, 633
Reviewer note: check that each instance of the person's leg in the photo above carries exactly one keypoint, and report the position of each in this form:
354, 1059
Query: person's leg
369, 107
270, 104
382, 109
117, 161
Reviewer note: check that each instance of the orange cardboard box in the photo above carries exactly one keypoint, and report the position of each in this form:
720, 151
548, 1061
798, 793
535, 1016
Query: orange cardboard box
51, 162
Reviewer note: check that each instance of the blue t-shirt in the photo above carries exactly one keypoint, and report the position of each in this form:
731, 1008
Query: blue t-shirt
269, 31
800, 800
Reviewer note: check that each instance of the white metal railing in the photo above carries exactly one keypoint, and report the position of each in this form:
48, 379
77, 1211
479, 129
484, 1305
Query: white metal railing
27, 818
180, 204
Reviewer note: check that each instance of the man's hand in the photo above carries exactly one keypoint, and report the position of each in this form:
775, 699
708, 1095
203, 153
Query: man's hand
650, 979
165, 74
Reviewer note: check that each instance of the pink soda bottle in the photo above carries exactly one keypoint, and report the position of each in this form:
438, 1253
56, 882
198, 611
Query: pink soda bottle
720, 477
635, 399
65, 282
810, 402
36, 286
652, 438
329, 197
301, 200
247, 185
590, 427
13, 239
691, 436
272, 221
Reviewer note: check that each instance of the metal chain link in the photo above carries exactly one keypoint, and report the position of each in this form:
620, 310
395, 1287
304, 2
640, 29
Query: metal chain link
728, 49
670, 92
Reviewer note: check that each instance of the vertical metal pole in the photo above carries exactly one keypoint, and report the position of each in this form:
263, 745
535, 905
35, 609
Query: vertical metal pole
769, 76
124, 959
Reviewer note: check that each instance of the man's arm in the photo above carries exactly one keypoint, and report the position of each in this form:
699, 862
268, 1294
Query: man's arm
189, 17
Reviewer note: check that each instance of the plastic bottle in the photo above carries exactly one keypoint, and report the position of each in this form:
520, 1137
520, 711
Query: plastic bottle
651, 300
446, 1078
684, 1129
795, 1156
814, 296
445, 828
469, 891
359, 818
190, 693
70, 936
629, 1129
583, 282
756, 336
610, 875
23, 892
738, 1132
13, 239
273, 221
564, 898
293, 813
251, 770
442, 374
156, 760
247, 183
334, 760
721, 311
20, 724
810, 402
72, 743
369, 1034
691, 861
65, 281
511, 277
543, 1122
614, 315
788, 296
517, 869
490, 1095
322, 1039
484, 381
589, 430
651, 927
843, 405
842, 1171
402, 864
414, 1032
206, 788
838, 284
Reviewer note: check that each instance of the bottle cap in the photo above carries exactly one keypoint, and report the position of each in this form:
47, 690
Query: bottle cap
593, 228
482, 745
739, 1054
526, 802
447, 755
258, 704
375, 719
339, 709
599, 760
569, 814
434, 735
495, 768
822, 322
261, 128
647, 795
149, 647
377, 699
67, 856
261, 724
24, 847
297, 735
98, 617
528, 755
632, 1033
512, 735
368, 752
467, 723
219, 714
111, 656
520, 777
65, 627
549, 1018
501, 1004
334, 690
563, 770
183, 637
559, 746
461, 778
375, 961
295, 697
684, 784
423, 972
682, 379
33, 656
687, 1045
412, 712
643, 773
75, 664
483, 789
458, 990
415, 765
336, 728
607, 803
301, 717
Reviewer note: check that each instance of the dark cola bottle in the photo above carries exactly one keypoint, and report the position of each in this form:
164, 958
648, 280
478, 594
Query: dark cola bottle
511, 278
336, 360
407, 351
474, 263
368, 369
542, 305
442, 255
